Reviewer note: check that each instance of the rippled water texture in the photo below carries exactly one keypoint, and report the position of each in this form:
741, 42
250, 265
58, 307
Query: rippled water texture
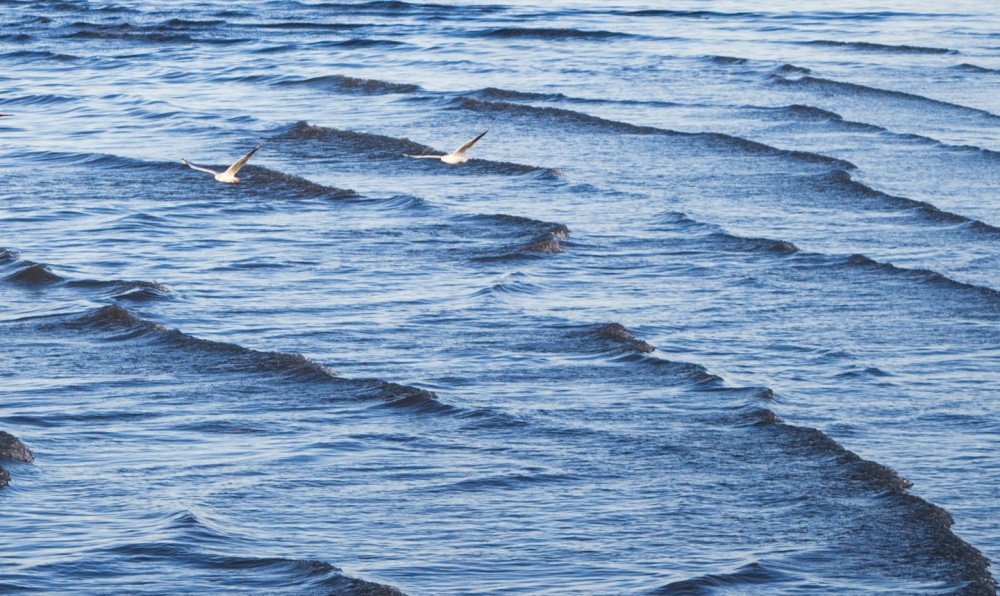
713, 308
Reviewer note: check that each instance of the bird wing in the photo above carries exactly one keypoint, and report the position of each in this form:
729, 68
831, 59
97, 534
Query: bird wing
191, 165
461, 150
241, 162
423, 156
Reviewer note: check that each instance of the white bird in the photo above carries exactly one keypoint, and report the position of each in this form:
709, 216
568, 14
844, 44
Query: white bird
456, 156
229, 176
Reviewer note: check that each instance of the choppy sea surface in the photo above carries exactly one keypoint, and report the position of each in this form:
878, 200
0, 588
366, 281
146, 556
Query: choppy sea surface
713, 308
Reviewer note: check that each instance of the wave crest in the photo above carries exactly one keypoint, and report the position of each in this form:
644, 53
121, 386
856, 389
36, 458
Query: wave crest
296, 185
868, 46
12, 448
345, 84
542, 237
478, 105
32, 274
550, 34
618, 334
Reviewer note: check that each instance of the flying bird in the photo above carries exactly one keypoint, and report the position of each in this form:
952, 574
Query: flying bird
229, 176
456, 156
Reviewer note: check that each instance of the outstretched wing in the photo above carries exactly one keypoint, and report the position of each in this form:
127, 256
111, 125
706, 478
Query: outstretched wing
191, 165
461, 150
241, 162
423, 156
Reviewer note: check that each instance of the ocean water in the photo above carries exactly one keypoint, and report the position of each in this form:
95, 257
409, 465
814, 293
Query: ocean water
713, 308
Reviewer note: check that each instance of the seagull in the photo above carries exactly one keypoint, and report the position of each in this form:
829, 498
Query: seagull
229, 176
456, 156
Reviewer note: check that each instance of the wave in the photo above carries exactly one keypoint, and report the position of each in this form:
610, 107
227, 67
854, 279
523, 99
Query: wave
370, 145
368, 43
752, 574
617, 333
966, 67
792, 69
779, 16
121, 324
305, 25
380, 148
39, 100
151, 37
31, 274
733, 243
678, 219
920, 275
300, 573
117, 323
508, 287
728, 60
345, 84
477, 105
396, 6
881, 47
616, 340
843, 180
926, 528
266, 181
13, 449
494, 93
468, 103
811, 113
868, 371
828, 85
63, 6
280, 183
550, 34
714, 237
100, 160
393, 395
38, 55
176, 23
539, 237
166, 32
690, 14
130, 290
176, 536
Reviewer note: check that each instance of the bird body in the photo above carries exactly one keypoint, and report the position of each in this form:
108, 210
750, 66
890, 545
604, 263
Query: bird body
455, 157
229, 176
